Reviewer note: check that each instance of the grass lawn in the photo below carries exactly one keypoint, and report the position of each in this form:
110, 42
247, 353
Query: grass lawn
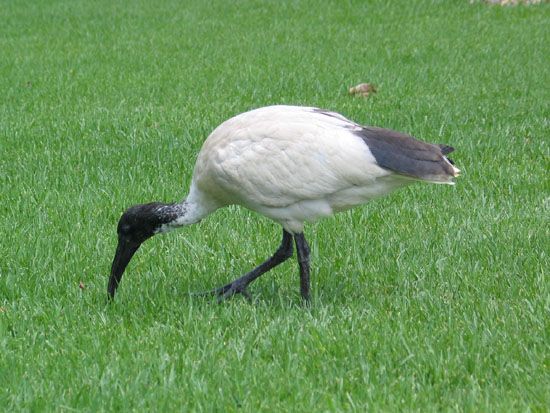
435, 298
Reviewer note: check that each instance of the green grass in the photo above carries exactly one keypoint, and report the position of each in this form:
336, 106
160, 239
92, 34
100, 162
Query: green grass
435, 298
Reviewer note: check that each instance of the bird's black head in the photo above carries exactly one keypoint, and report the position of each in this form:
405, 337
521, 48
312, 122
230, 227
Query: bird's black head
141, 222
136, 225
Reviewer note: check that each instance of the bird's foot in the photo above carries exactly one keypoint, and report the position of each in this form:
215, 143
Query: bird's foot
231, 289
227, 291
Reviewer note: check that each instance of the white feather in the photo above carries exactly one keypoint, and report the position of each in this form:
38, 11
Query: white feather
292, 164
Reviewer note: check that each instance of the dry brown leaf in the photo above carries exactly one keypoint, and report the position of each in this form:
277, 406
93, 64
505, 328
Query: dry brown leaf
363, 89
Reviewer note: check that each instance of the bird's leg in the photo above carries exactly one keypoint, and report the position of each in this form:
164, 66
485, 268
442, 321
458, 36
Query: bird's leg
302, 249
283, 253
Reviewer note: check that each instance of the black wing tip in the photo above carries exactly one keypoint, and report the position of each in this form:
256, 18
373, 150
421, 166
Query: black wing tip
407, 155
445, 149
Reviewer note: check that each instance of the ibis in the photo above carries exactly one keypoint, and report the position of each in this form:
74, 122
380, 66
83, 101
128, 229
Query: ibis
293, 165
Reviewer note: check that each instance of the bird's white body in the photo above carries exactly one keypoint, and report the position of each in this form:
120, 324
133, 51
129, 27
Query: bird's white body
291, 164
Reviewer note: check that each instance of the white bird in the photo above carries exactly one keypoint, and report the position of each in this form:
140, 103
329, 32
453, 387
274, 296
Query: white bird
293, 165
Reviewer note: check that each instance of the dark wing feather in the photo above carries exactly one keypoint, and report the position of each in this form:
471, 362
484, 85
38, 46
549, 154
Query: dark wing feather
445, 149
406, 155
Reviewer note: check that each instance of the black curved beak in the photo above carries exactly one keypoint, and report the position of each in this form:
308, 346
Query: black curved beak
125, 250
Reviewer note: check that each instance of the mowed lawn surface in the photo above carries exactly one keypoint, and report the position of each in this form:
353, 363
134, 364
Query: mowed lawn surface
435, 298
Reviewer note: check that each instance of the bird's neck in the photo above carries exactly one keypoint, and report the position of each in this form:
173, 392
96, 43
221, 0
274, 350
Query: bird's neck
178, 214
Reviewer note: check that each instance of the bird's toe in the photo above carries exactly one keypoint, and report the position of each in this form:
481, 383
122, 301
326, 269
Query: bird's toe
232, 289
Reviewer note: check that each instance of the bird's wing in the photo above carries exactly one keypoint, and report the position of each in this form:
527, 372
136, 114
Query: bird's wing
406, 155
281, 156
